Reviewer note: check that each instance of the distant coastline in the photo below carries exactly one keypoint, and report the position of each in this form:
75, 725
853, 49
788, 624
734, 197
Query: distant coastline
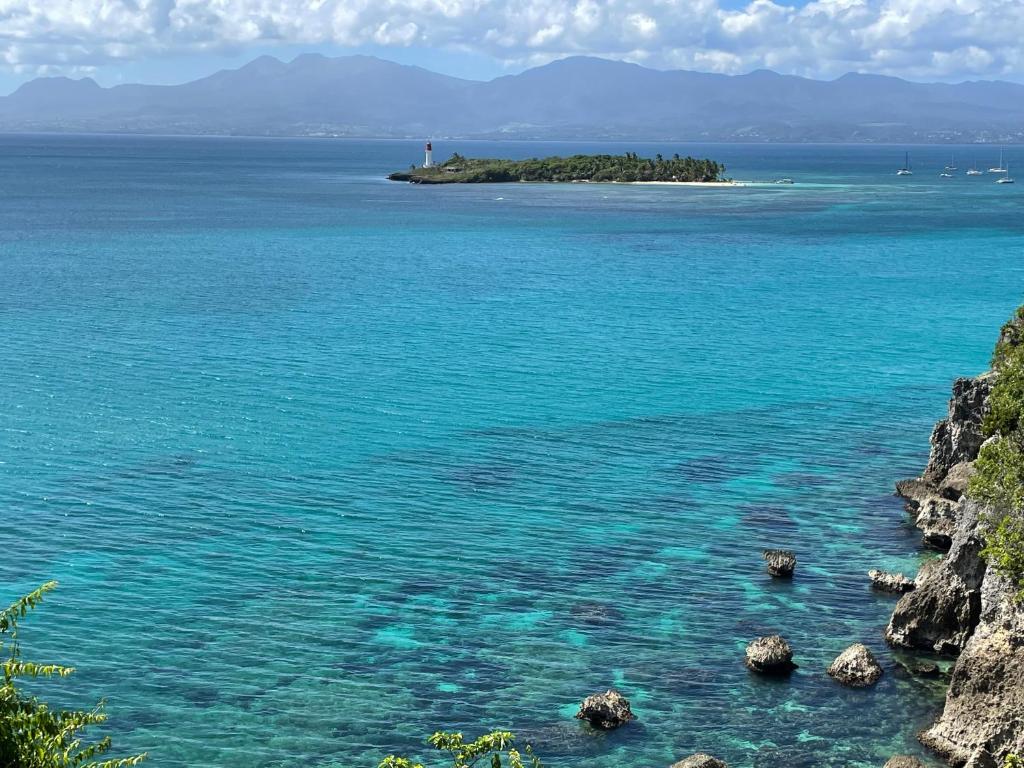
628, 168
610, 101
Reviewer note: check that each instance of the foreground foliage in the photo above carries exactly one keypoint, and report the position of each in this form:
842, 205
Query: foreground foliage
1011, 336
492, 749
622, 168
31, 734
998, 479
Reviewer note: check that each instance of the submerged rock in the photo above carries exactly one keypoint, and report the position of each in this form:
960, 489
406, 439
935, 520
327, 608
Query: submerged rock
856, 667
700, 760
595, 613
781, 562
925, 669
606, 710
884, 581
770, 655
904, 761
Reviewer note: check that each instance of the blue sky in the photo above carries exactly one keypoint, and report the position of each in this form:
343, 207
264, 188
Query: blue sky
170, 41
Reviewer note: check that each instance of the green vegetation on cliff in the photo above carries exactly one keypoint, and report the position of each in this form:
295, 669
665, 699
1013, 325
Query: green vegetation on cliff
492, 749
999, 470
31, 734
577, 168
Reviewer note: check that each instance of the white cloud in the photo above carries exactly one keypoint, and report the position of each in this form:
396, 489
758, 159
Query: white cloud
920, 38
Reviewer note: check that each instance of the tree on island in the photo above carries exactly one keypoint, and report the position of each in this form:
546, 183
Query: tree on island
620, 168
31, 734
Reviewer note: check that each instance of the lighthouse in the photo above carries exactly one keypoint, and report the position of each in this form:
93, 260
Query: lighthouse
428, 159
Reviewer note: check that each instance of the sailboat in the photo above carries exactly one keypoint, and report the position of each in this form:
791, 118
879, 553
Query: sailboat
1000, 168
1006, 179
974, 171
952, 163
905, 170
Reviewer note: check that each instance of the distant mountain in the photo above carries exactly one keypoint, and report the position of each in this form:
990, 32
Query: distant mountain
578, 97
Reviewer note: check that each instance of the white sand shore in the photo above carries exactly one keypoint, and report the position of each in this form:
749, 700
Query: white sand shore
689, 183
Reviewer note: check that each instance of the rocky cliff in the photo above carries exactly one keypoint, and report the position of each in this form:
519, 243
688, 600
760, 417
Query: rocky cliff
961, 607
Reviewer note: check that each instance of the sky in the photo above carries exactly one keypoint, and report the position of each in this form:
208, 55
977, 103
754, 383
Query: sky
172, 41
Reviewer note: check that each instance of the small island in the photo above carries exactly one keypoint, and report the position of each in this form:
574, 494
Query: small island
627, 168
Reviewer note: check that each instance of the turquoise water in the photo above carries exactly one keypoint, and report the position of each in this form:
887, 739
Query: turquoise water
324, 463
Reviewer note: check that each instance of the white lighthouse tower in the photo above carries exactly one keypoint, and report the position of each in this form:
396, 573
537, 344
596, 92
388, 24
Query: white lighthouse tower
428, 159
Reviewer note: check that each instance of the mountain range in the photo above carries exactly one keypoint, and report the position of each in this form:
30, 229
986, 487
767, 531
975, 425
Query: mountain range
573, 98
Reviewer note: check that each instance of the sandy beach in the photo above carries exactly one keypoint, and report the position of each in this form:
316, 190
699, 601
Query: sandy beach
687, 183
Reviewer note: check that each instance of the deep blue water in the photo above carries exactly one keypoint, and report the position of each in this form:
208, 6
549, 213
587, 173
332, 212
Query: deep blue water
324, 463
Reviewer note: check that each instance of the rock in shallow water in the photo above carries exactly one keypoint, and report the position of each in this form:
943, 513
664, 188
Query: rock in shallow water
856, 667
596, 614
606, 710
770, 655
781, 562
925, 669
904, 761
884, 581
700, 760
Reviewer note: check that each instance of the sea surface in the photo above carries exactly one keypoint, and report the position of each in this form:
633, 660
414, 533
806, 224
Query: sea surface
324, 463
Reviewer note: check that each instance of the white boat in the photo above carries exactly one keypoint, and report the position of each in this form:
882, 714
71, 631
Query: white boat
905, 170
783, 181
946, 175
974, 171
1006, 179
952, 164
999, 168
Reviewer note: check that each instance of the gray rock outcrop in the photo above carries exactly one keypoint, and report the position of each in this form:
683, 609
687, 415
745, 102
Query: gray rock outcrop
770, 655
934, 497
781, 562
606, 711
904, 761
934, 514
984, 712
942, 612
700, 760
958, 437
856, 667
884, 581
959, 606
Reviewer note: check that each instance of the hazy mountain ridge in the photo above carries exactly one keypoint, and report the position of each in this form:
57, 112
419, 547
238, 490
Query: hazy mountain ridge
572, 98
